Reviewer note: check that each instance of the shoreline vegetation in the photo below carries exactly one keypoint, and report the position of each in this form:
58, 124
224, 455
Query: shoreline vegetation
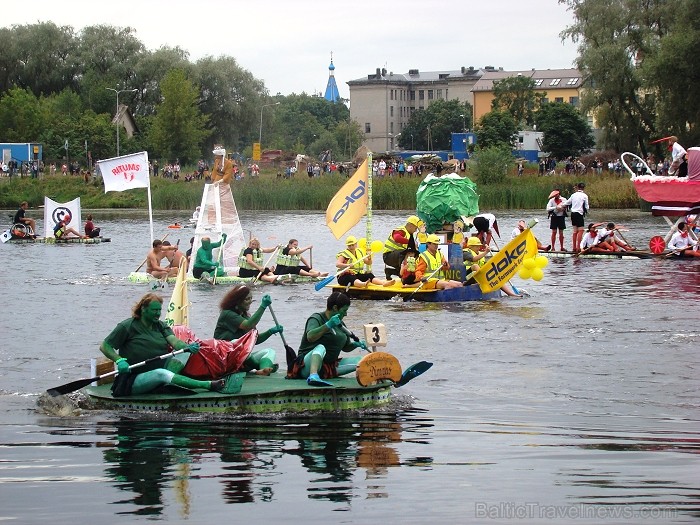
268, 192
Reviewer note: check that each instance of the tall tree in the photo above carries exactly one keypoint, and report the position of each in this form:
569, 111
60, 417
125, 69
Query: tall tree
613, 37
566, 131
517, 96
496, 129
20, 116
178, 128
432, 127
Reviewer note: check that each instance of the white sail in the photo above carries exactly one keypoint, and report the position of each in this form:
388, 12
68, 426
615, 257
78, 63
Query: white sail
218, 215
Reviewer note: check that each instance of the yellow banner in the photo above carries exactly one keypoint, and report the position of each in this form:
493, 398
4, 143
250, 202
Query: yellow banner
500, 268
256, 151
178, 307
349, 204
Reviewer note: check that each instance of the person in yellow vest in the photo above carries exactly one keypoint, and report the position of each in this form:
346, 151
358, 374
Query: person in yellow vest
290, 261
400, 239
355, 262
222, 171
458, 232
250, 262
422, 236
431, 260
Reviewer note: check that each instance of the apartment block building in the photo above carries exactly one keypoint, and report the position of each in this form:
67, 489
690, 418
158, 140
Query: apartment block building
382, 103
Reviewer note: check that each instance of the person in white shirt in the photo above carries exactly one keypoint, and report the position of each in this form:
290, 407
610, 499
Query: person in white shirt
608, 234
556, 210
520, 228
682, 244
485, 224
593, 243
679, 165
195, 214
578, 202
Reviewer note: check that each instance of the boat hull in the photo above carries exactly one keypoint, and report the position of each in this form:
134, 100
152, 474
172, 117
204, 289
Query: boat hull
143, 277
258, 395
51, 240
635, 255
471, 292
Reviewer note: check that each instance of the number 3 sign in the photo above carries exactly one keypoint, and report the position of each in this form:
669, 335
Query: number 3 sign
375, 334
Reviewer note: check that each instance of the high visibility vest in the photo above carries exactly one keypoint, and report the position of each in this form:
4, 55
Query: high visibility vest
358, 263
391, 245
287, 260
243, 261
433, 262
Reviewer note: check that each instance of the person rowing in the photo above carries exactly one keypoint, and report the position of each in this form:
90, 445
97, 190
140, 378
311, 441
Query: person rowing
682, 244
63, 231
593, 243
609, 235
155, 256
356, 262
430, 263
144, 336
475, 251
290, 261
204, 262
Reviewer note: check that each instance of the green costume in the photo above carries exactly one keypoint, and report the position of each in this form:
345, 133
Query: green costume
334, 343
228, 327
203, 261
136, 342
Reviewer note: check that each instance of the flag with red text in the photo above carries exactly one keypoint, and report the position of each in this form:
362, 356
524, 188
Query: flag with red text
126, 172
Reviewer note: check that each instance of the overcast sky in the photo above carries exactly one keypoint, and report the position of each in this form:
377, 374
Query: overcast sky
288, 43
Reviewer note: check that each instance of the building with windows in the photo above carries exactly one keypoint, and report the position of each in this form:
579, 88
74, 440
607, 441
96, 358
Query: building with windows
559, 85
382, 103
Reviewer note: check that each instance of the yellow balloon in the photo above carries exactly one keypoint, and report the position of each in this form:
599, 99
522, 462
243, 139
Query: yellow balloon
376, 246
362, 243
537, 274
524, 273
541, 261
529, 263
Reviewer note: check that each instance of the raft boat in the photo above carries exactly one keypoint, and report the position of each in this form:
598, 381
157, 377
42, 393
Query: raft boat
470, 292
258, 395
632, 255
143, 277
53, 240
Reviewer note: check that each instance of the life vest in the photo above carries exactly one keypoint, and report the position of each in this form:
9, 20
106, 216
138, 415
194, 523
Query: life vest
243, 261
433, 262
358, 263
411, 264
58, 232
472, 252
288, 260
391, 245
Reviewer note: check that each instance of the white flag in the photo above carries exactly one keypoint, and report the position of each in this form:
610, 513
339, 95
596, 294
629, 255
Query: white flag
126, 172
56, 211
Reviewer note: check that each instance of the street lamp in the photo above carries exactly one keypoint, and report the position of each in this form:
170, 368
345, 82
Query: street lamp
116, 115
261, 113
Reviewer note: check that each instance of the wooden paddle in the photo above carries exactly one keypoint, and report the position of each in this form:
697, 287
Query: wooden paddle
422, 284
219, 258
326, 280
265, 265
146, 259
80, 383
291, 354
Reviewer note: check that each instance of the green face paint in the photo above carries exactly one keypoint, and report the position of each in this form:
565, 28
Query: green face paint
151, 312
342, 312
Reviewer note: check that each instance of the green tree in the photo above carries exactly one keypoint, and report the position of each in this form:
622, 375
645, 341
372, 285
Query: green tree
517, 96
490, 165
496, 128
613, 38
431, 128
566, 131
20, 116
179, 128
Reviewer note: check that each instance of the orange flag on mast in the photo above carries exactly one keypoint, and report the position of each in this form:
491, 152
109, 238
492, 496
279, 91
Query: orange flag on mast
350, 203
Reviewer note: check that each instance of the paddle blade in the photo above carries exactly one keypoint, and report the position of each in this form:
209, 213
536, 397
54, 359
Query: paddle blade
70, 387
412, 372
324, 282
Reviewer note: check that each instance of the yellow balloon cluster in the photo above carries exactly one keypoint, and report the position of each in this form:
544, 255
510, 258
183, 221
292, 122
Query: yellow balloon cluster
532, 268
376, 246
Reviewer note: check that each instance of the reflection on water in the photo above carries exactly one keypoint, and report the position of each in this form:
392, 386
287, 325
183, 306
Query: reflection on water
147, 458
584, 394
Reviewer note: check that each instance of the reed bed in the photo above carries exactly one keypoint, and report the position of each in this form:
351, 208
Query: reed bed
268, 192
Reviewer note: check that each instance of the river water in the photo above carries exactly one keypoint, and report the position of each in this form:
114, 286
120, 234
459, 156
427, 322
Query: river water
578, 404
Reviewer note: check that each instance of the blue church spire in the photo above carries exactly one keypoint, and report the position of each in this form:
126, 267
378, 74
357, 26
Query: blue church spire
331, 88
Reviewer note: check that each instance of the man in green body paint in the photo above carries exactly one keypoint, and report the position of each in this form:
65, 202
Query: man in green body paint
204, 262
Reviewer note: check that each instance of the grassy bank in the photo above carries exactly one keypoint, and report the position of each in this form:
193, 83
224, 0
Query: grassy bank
269, 193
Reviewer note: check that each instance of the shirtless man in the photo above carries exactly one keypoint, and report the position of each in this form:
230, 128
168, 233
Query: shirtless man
175, 257
155, 256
